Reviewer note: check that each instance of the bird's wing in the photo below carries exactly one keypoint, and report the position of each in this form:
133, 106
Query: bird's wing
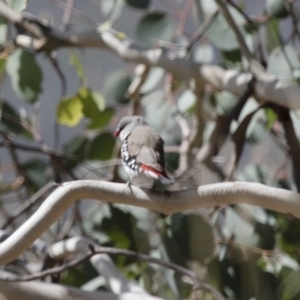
149, 157
147, 146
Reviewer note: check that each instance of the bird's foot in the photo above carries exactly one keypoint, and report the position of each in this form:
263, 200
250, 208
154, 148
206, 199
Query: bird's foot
128, 184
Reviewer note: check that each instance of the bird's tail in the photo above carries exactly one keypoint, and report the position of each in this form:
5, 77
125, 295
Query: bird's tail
153, 173
166, 180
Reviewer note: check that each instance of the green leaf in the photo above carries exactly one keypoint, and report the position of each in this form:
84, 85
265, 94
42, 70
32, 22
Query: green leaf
272, 34
257, 129
92, 102
220, 33
276, 9
203, 53
76, 147
102, 146
271, 118
140, 4
2, 65
3, 30
255, 173
79, 275
94, 284
193, 237
225, 101
283, 61
119, 228
76, 63
112, 9
116, 85
102, 119
69, 111
232, 57
25, 74
208, 7
36, 171
256, 125
174, 250
156, 25
86, 103
17, 5
186, 101
153, 79
201, 238
160, 116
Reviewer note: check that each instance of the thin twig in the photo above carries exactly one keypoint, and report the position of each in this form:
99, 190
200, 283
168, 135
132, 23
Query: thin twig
133, 91
196, 281
75, 12
61, 75
183, 17
18, 146
15, 159
201, 31
28, 204
67, 14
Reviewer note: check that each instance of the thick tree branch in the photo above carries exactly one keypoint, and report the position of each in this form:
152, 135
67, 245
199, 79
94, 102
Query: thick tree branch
166, 202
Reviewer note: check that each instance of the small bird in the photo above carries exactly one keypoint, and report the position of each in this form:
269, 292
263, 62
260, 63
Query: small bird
142, 150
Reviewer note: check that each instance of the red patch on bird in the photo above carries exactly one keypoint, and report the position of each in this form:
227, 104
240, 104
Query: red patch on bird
147, 168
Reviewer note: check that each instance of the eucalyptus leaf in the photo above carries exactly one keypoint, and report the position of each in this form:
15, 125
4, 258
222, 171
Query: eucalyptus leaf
255, 173
273, 34
155, 26
186, 101
202, 244
203, 53
76, 147
160, 116
2, 65
76, 63
153, 79
25, 74
93, 103
221, 34
283, 61
17, 5
235, 225
116, 85
112, 8
102, 119
225, 101
70, 111
276, 8
3, 30
36, 171
102, 146
209, 7
139, 4
94, 284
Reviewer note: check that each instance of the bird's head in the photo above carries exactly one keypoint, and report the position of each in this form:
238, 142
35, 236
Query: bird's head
127, 124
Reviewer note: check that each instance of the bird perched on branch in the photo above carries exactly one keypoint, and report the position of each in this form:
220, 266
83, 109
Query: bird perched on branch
142, 150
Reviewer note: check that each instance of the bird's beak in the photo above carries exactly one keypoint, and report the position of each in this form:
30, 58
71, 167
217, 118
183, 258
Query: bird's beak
117, 133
